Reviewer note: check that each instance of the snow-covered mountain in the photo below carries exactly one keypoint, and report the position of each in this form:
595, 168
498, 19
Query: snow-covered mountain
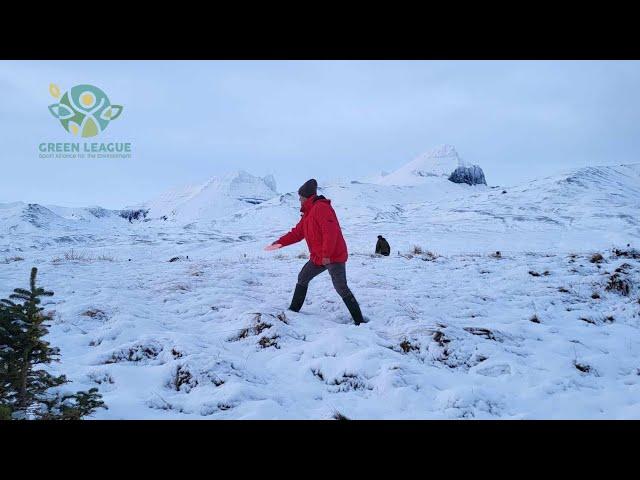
592, 207
596, 205
217, 197
439, 162
20, 217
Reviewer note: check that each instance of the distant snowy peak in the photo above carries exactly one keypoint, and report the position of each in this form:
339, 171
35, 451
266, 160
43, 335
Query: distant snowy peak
216, 197
444, 155
270, 182
242, 186
20, 217
439, 162
38, 216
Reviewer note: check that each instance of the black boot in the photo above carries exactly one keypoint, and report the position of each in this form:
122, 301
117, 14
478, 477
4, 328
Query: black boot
298, 298
354, 309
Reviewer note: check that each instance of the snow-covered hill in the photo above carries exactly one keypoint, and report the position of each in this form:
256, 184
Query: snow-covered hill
591, 207
216, 197
32, 218
542, 330
439, 162
20, 217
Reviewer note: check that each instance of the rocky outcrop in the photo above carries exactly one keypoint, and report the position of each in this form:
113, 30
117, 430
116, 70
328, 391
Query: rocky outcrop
472, 175
442, 162
137, 214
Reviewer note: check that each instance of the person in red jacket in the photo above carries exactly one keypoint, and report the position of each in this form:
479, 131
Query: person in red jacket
319, 226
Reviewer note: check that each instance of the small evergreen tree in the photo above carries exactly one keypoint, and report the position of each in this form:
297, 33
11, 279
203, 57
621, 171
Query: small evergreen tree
24, 390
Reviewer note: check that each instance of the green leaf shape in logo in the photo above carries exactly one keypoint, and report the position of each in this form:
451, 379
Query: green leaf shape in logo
60, 111
116, 110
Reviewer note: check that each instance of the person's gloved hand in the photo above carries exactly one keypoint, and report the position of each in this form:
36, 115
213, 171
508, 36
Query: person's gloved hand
326, 261
274, 246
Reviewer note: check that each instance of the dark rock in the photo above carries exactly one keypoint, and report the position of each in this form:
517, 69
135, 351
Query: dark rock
131, 215
472, 175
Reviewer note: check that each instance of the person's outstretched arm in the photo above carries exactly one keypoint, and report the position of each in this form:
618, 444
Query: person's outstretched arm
294, 236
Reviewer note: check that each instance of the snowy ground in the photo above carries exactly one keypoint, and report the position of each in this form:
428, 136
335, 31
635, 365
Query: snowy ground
460, 336
535, 332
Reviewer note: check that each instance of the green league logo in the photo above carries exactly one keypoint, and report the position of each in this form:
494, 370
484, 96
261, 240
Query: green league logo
84, 110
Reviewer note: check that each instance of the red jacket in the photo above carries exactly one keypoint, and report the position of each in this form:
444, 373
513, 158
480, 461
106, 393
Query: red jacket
320, 228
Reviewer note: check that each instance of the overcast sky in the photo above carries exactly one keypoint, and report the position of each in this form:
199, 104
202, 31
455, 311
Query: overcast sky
192, 120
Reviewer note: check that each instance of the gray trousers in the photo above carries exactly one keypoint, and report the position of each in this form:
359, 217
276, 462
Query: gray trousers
337, 271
